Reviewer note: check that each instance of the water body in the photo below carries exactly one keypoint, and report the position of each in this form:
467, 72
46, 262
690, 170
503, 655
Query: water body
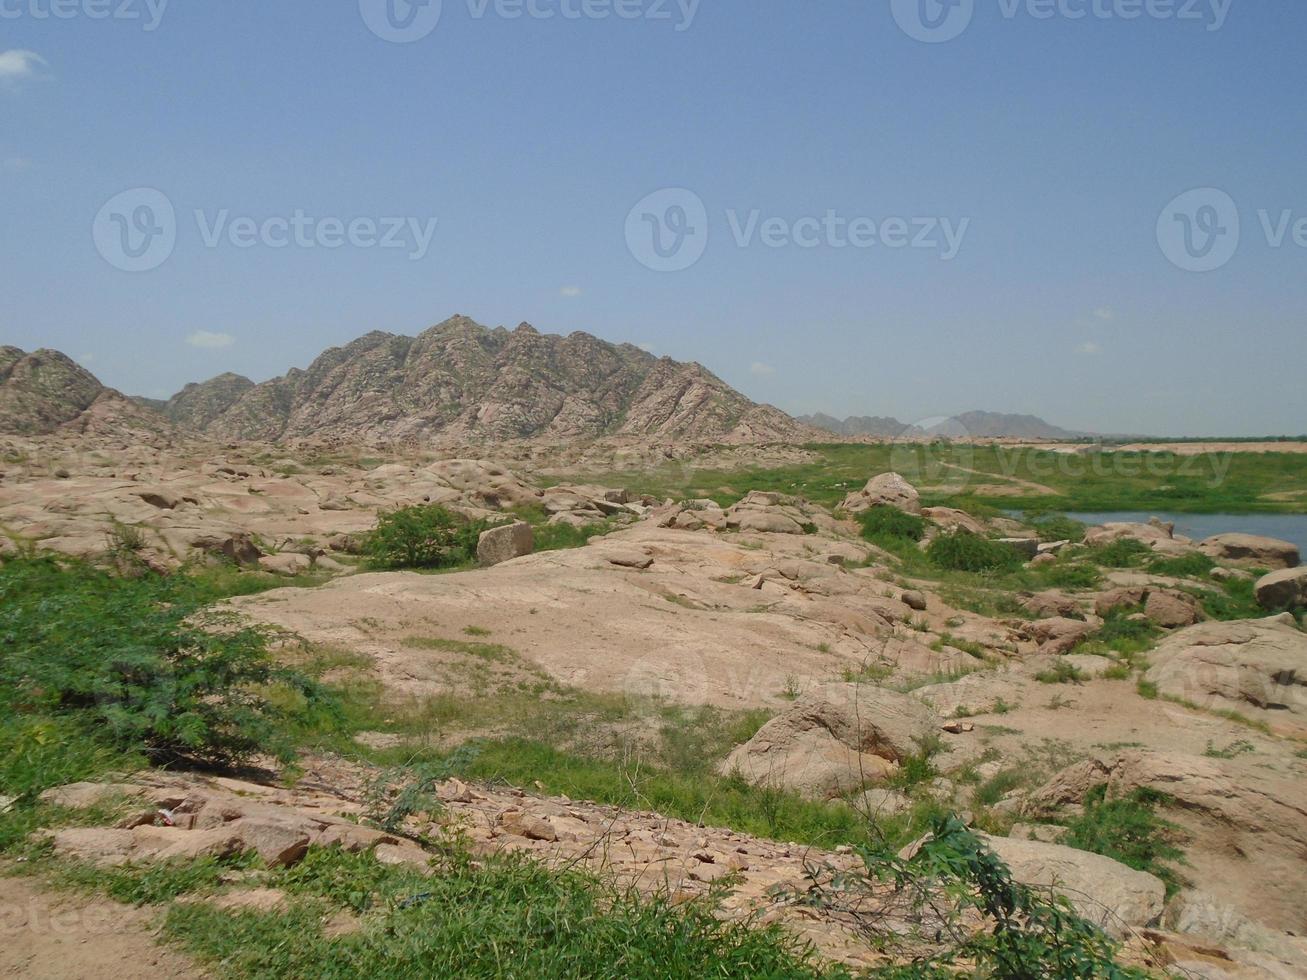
1286, 527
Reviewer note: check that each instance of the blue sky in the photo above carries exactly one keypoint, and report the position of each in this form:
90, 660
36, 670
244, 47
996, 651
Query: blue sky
1051, 145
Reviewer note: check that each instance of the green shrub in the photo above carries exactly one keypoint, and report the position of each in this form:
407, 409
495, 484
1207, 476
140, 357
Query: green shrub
1121, 553
116, 665
428, 536
1058, 527
959, 883
1071, 575
497, 916
1062, 672
1130, 831
963, 551
890, 522
1196, 565
560, 537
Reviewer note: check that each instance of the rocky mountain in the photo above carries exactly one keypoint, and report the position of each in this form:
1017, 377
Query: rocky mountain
461, 380
975, 425
861, 425
46, 391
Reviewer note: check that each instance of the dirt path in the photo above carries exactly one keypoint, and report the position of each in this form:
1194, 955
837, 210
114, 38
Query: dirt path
47, 935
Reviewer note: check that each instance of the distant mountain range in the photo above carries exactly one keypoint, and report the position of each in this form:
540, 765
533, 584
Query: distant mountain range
975, 425
457, 381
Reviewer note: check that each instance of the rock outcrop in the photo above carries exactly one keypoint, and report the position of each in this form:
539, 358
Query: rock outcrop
884, 490
1251, 549
1254, 667
1284, 589
834, 739
1245, 836
1109, 894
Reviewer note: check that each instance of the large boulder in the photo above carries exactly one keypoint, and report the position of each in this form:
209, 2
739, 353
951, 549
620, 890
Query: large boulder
1109, 894
1283, 589
501, 544
1244, 829
834, 739
1158, 536
1256, 667
885, 490
1250, 549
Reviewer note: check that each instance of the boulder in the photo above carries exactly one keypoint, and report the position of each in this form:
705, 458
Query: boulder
1171, 609
1051, 604
501, 544
1257, 667
885, 490
285, 563
949, 517
1159, 537
914, 600
768, 522
834, 739
1122, 598
1284, 589
1109, 894
1058, 634
1251, 549
238, 547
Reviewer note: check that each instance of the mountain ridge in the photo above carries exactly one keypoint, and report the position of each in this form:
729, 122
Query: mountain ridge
461, 380
973, 425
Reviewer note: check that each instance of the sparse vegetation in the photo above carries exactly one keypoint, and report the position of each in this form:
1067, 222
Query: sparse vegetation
966, 552
424, 537
1129, 830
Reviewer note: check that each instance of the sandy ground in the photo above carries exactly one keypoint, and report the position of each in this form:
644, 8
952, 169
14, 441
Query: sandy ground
46, 935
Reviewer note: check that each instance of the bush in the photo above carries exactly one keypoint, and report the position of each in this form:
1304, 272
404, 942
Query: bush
955, 880
1071, 575
116, 665
423, 537
967, 552
559, 537
1059, 527
890, 522
1185, 566
1121, 553
1130, 831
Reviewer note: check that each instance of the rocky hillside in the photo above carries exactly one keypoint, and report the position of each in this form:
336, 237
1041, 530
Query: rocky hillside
461, 380
46, 391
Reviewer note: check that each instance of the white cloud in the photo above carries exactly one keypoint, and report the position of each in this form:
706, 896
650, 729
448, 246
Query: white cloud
761, 370
647, 348
18, 63
1089, 348
1105, 313
570, 292
210, 341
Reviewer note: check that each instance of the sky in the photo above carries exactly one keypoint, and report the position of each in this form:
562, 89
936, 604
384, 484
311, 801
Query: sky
1090, 210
